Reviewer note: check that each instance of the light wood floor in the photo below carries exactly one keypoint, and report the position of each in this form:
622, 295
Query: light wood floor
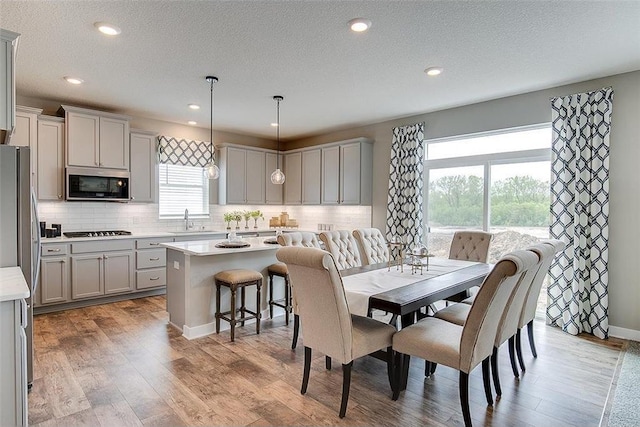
121, 365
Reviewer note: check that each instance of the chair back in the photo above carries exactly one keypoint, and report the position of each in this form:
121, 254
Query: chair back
481, 327
342, 245
470, 246
322, 303
531, 301
509, 324
305, 239
372, 245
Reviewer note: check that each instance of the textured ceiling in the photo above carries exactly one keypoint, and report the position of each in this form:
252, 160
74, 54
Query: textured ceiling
330, 77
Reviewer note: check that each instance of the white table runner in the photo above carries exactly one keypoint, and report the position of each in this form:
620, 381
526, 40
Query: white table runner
359, 287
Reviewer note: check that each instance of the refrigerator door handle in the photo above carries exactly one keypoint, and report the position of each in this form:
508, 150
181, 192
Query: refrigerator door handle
37, 241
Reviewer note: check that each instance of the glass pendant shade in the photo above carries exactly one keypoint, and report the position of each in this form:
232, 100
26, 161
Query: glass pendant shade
277, 177
211, 171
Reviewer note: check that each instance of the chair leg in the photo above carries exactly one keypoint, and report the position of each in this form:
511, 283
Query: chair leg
434, 365
427, 368
258, 306
287, 299
486, 378
390, 367
346, 384
494, 371
464, 398
270, 296
512, 357
307, 369
397, 375
243, 306
519, 351
217, 308
296, 329
327, 363
532, 343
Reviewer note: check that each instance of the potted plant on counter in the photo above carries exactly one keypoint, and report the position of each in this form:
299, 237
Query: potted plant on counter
256, 215
247, 217
228, 217
237, 217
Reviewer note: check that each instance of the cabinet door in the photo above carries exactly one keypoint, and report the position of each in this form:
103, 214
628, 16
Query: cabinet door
350, 174
143, 168
50, 160
311, 177
114, 143
293, 179
236, 175
331, 175
82, 139
255, 185
25, 134
118, 272
53, 280
273, 192
86, 276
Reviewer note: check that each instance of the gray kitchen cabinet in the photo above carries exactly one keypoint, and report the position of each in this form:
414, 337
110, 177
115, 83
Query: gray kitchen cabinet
54, 275
25, 134
242, 176
347, 169
151, 260
331, 175
101, 268
311, 177
8, 47
273, 192
144, 168
293, 178
50, 155
96, 139
13, 363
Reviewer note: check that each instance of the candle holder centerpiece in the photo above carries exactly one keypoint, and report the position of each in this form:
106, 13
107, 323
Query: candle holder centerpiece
416, 257
396, 253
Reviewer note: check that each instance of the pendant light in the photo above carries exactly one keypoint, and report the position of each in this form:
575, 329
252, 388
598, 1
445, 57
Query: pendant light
212, 171
277, 177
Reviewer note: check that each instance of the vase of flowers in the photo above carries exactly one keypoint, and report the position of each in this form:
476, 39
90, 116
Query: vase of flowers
256, 215
237, 217
247, 217
228, 217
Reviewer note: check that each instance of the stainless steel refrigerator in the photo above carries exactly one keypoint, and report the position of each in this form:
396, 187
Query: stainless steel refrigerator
19, 229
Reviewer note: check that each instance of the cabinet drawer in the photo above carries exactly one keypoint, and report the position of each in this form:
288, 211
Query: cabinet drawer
151, 278
151, 258
152, 243
54, 250
101, 246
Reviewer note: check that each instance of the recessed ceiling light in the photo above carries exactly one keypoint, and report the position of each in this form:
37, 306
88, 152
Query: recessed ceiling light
108, 29
192, 122
359, 25
194, 106
433, 71
275, 125
74, 80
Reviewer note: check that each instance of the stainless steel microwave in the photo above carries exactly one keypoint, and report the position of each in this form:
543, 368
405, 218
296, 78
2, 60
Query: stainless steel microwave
97, 184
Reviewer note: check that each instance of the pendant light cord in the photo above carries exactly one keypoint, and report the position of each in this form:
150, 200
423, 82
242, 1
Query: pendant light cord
278, 135
213, 158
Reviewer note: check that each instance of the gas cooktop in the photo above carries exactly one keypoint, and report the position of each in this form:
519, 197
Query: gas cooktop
73, 234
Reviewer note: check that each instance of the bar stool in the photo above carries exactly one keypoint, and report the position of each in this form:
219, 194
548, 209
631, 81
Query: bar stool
234, 279
280, 269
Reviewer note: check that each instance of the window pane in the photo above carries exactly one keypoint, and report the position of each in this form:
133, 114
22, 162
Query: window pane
183, 187
487, 144
455, 203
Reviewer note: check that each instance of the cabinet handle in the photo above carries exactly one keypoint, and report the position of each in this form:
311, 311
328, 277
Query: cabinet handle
59, 196
154, 244
53, 250
133, 198
63, 261
154, 278
105, 257
154, 259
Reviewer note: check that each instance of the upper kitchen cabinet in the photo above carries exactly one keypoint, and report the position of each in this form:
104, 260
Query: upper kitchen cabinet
144, 167
25, 134
242, 176
8, 47
347, 173
50, 158
273, 192
96, 139
293, 178
311, 162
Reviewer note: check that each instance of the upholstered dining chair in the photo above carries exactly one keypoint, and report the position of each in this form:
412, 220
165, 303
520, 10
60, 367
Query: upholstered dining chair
465, 347
372, 245
469, 245
531, 303
324, 313
304, 239
344, 248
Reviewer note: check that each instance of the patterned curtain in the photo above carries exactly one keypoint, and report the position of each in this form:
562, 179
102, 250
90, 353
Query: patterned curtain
578, 295
406, 183
182, 152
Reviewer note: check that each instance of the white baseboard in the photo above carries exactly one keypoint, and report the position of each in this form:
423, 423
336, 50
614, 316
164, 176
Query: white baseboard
199, 331
627, 334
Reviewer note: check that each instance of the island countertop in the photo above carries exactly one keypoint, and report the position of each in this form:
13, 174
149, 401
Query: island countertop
208, 247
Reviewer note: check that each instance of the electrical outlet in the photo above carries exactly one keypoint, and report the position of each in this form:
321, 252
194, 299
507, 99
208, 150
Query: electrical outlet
176, 265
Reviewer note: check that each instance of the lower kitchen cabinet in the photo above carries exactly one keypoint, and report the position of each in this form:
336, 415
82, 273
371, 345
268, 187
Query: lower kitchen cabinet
13, 363
54, 280
101, 274
151, 260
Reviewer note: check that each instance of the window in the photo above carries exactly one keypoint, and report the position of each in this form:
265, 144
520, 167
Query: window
498, 182
183, 187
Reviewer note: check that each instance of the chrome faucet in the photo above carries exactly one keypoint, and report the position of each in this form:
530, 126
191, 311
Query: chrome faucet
187, 224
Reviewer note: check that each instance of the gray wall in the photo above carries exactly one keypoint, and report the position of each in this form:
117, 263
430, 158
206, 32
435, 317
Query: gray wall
534, 108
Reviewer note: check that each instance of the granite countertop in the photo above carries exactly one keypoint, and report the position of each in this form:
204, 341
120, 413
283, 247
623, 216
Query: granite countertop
13, 286
208, 247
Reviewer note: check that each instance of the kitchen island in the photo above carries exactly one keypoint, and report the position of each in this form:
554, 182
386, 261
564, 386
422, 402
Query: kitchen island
191, 296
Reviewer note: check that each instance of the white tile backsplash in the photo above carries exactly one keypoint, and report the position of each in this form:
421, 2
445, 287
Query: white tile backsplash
143, 218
